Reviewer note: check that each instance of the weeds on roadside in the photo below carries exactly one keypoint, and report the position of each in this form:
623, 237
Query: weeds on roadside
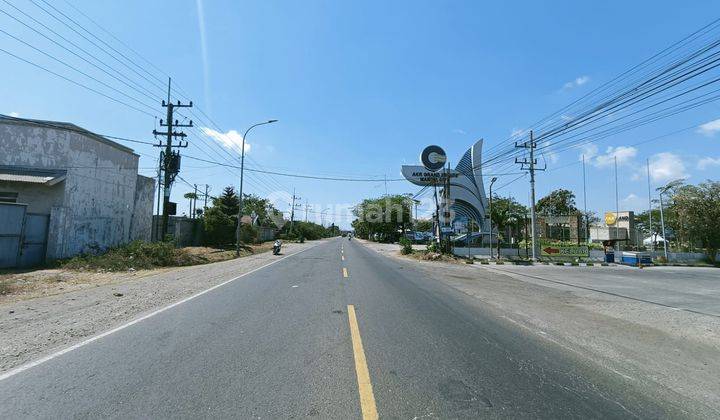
135, 255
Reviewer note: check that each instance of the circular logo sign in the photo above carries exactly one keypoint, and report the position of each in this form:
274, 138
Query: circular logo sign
433, 158
610, 218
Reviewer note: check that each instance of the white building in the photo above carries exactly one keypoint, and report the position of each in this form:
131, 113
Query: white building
65, 191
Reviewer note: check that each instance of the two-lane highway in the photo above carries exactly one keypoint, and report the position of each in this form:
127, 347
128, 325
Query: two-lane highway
336, 331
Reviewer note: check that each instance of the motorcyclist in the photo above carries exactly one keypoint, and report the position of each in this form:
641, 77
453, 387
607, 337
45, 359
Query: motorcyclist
276, 246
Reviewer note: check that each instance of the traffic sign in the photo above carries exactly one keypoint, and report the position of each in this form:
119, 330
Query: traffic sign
564, 251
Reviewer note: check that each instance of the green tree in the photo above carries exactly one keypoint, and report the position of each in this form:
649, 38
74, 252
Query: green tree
560, 202
228, 203
266, 213
507, 213
387, 216
424, 225
697, 214
219, 227
190, 196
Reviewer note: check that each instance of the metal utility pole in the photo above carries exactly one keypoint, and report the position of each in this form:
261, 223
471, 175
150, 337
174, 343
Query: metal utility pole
492, 181
242, 171
650, 228
529, 165
617, 210
306, 210
170, 159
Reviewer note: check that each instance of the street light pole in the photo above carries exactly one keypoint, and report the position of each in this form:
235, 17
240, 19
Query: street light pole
242, 168
492, 181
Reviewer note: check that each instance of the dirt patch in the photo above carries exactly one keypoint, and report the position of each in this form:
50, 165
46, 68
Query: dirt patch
17, 285
55, 308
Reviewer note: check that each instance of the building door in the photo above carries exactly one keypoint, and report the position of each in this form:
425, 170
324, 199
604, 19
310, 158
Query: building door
12, 219
34, 240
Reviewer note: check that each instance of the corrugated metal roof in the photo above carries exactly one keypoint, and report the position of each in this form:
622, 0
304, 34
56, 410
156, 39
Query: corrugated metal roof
31, 175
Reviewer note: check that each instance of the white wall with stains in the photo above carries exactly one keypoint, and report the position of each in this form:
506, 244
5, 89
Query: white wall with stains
94, 206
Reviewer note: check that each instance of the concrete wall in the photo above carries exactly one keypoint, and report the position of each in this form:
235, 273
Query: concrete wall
39, 198
141, 223
99, 191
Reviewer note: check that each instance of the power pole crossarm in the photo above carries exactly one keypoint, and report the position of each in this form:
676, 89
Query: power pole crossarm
529, 165
170, 161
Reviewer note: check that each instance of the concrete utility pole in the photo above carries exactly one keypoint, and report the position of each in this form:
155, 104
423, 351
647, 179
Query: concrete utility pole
170, 160
650, 228
531, 168
206, 197
292, 210
242, 171
587, 218
194, 206
492, 181
306, 210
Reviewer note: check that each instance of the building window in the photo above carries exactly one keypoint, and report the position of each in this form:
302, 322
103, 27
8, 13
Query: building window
8, 197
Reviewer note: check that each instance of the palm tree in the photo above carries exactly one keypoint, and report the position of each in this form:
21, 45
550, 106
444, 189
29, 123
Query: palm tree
192, 197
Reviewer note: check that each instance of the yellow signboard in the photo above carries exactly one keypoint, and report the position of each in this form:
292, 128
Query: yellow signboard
610, 218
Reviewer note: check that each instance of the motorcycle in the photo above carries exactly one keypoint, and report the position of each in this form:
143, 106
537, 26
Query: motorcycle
276, 248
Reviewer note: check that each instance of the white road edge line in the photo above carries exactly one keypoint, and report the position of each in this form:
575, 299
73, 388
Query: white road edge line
22, 368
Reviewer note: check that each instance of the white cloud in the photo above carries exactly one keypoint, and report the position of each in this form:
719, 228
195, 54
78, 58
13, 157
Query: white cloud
552, 157
517, 132
589, 150
624, 154
706, 162
14, 114
666, 167
709, 128
633, 203
231, 140
578, 81
459, 131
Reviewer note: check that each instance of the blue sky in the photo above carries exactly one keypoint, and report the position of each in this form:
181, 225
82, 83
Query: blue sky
361, 87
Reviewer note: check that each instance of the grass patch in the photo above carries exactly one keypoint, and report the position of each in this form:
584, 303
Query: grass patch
135, 255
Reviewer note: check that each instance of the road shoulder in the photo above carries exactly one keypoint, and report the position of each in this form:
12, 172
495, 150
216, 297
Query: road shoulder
32, 328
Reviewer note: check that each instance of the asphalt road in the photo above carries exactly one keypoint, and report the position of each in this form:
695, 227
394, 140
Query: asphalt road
327, 334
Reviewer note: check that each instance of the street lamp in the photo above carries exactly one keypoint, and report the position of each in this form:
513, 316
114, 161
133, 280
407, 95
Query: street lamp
242, 167
492, 181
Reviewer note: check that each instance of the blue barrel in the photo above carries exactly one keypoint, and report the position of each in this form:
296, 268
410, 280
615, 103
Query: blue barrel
610, 257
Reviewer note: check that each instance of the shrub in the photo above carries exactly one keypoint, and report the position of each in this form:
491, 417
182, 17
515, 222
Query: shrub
136, 255
406, 246
432, 246
248, 234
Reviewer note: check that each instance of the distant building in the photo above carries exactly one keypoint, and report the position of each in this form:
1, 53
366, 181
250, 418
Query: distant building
618, 226
69, 190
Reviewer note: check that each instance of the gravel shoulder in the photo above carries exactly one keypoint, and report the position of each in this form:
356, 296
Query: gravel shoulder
67, 307
670, 354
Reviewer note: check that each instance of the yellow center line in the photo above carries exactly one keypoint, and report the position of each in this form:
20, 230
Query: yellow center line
367, 399
345, 273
